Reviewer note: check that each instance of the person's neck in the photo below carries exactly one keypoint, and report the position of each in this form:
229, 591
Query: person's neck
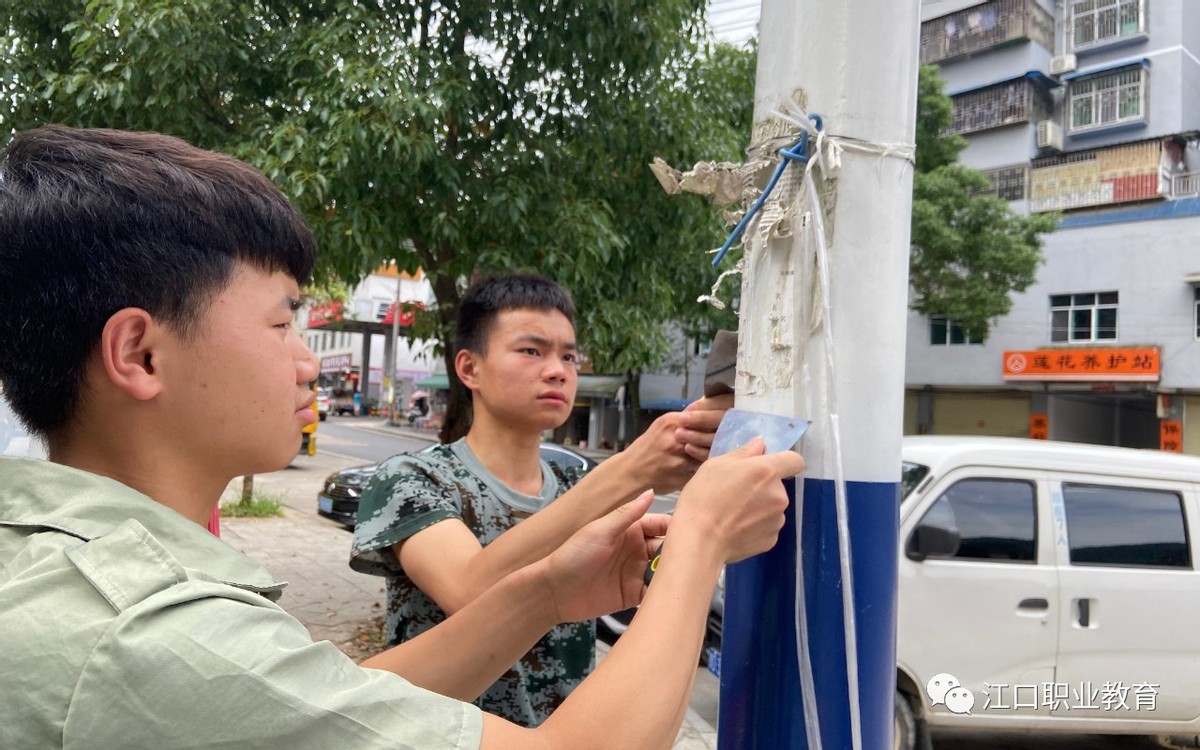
146, 466
508, 452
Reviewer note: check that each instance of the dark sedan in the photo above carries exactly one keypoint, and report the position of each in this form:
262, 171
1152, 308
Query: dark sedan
338, 498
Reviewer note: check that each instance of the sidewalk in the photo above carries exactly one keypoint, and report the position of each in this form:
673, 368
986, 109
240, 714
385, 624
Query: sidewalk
309, 552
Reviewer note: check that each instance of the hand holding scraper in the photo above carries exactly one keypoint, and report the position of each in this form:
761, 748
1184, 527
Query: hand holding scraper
739, 426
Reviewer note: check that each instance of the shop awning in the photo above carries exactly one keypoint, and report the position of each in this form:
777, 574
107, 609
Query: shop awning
437, 382
1105, 67
599, 386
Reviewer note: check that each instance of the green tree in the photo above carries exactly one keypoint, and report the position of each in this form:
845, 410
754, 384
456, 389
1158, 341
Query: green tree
970, 251
461, 137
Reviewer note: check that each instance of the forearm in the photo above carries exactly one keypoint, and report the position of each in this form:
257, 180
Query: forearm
606, 487
472, 648
638, 695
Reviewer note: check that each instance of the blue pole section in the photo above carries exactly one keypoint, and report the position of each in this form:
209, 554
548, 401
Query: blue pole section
760, 678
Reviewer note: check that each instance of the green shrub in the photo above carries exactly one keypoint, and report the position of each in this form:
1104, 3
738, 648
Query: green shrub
260, 505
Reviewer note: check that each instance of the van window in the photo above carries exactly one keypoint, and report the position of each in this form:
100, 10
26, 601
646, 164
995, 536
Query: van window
1125, 526
911, 475
996, 519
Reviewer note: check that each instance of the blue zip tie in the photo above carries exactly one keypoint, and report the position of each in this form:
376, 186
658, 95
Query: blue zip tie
798, 151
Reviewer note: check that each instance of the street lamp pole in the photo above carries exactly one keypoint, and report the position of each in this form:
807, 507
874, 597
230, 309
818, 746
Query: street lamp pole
389, 376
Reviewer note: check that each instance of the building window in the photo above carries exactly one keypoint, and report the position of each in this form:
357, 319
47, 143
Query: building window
1196, 296
1098, 21
1007, 183
946, 332
1109, 99
1080, 318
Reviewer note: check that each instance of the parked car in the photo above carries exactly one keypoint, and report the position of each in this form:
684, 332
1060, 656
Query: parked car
611, 627
322, 403
1067, 573
338, 496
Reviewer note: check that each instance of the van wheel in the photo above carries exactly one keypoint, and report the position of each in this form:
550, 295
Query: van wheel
906, 724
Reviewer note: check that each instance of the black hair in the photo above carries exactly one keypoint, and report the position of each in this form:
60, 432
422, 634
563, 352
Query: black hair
93, 221
487, 298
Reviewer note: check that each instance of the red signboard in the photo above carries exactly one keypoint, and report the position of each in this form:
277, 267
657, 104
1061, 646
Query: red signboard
408, 313
1141, 364
1039, 426
323, 315
1170, 435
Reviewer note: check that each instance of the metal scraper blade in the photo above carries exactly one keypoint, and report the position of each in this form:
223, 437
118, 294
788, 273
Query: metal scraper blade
740, 426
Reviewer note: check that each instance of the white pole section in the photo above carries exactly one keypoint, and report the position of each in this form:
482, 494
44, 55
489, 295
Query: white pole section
822, 334
393, 352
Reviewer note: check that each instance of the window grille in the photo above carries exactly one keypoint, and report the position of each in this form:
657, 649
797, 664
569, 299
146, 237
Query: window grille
1095, 22
1007, 183
1109, 99
1003, 104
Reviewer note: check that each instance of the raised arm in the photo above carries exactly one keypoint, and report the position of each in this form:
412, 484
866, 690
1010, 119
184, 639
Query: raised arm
599, 570
726, 514
447, 562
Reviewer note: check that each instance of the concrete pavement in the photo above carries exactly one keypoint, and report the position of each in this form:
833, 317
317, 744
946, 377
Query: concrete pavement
310, 553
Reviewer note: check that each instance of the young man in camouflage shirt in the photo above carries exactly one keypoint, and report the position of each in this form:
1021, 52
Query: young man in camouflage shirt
447, 522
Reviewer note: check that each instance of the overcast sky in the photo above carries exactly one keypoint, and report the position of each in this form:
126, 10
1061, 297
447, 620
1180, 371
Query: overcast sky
734, 21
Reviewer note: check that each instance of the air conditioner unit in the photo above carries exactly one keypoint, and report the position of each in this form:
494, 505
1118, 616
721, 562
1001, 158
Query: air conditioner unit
1062, 64
1049, 135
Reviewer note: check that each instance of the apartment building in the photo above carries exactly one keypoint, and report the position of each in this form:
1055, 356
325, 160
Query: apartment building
1090, 108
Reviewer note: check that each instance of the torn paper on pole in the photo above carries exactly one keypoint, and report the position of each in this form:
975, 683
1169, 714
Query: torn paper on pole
725, 183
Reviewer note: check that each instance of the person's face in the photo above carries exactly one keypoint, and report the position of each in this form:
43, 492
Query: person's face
527, 376
240, 385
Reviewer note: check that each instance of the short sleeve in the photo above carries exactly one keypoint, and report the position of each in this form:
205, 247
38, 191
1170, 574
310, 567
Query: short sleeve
407, 494
193, 669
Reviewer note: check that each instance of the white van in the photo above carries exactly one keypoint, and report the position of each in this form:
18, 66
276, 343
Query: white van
1047, 587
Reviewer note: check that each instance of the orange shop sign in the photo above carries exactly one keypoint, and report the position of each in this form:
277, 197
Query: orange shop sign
1170, 435
1140, 364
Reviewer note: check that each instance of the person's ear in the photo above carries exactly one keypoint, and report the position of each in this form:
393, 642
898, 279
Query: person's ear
128, 348
465, 364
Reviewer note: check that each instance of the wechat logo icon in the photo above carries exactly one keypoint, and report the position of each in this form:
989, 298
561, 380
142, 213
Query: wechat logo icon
945, 689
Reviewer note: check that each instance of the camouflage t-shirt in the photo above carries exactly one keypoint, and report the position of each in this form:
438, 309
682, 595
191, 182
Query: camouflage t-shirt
413, 491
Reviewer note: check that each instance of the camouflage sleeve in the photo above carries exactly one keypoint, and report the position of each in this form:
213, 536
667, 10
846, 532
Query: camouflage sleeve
408, 493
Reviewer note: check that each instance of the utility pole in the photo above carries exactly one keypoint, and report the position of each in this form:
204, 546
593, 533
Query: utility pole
822, 337
391, 350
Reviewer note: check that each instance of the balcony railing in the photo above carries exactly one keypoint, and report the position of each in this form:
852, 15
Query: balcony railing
983, 26
995, 106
